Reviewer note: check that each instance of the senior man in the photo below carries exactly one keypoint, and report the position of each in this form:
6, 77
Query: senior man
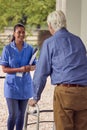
63, 58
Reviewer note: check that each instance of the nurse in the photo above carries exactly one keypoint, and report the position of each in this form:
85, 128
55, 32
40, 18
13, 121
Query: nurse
18, 83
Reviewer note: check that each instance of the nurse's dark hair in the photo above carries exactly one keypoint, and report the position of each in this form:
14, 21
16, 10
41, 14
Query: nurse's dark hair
15, 27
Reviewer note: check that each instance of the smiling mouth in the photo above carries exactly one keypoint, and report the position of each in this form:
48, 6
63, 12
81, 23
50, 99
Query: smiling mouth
21, 37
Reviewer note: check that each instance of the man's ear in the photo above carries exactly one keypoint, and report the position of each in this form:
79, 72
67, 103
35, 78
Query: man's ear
50, 26
51, 29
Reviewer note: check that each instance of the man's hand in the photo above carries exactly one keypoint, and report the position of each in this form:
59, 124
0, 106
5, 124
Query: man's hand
32, 102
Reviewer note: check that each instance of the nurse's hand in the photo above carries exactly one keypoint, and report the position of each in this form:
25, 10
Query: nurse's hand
30, 68
27, 68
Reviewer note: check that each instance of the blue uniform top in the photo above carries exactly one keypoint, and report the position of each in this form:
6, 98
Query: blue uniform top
17, 87
63, 57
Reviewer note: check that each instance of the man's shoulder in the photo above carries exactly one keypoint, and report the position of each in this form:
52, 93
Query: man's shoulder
49, 40
74, 35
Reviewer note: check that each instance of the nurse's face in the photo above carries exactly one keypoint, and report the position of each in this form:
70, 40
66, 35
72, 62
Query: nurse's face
19, 34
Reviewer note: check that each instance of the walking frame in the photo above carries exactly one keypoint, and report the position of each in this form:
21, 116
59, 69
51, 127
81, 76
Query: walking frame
36, 113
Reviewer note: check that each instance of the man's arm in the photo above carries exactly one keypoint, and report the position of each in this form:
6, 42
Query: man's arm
41, 73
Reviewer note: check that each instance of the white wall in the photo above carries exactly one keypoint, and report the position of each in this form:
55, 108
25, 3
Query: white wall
84, 21
72, 9
61, 5
73, 14
76, 14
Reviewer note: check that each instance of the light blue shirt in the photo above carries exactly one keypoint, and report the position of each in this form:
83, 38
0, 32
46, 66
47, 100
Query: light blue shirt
63, 57
17, 87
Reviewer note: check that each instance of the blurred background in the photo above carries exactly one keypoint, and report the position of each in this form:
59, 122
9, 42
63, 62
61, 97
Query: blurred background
33, 14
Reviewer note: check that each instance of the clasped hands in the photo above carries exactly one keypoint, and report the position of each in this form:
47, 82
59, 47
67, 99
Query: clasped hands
27, 68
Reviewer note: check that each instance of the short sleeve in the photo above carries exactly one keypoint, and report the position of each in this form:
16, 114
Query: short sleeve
4, 57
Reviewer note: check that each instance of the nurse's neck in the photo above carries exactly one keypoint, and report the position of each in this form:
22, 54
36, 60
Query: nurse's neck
19, 45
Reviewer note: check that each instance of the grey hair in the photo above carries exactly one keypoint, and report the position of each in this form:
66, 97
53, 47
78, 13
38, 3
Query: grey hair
57, 20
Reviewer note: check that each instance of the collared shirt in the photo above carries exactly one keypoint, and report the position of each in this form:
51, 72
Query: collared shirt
17, 87
63, 58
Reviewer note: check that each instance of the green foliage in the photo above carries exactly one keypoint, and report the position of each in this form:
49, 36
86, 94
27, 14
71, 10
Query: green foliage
1, 48
28, 12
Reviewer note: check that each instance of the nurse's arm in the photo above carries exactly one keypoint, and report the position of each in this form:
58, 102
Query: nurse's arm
6, 69
10, 70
